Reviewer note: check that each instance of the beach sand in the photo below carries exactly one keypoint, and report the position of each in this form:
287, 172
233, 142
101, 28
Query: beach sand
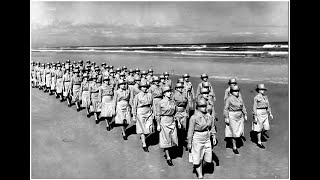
67, 144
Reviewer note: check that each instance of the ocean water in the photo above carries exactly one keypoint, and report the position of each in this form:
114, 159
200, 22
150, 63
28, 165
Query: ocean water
245, 69
279, 49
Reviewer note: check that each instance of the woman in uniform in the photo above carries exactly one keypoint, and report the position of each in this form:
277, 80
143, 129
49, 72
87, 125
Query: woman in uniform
142, 111
84, 94
75, 86
113, 80
99, 76
53, 79
235, 113
33, 75
188, 88
162, 80
182, 114
209, 99
201, 128
137, 73
204, 77
123, 109
156, 91
135, 88
37, 74
167, 81
66, 79
144, 77
130, 77
94, 97
106, 97
168, 131
59, 84
150, 76
47, 78
42, 77
261, 110
232, 82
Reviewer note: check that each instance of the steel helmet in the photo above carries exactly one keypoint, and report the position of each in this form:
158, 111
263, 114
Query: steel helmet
155, 78
179, 85
204, 75
185, 76
232, 81
261, 86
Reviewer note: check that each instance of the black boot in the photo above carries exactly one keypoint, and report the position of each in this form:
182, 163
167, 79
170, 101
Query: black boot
145, 149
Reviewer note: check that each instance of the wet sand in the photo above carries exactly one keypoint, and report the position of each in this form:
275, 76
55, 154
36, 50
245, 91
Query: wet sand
67, 144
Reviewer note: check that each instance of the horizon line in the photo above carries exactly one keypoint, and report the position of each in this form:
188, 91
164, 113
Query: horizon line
263, 42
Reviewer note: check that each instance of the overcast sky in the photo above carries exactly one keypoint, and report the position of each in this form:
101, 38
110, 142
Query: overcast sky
125, 23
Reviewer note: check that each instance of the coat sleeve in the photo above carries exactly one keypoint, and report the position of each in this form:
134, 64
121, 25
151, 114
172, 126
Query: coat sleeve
269, 107
254, 107
225, 95
198, 90
100, 95
134, 106
226, 108
192, 123
158, 111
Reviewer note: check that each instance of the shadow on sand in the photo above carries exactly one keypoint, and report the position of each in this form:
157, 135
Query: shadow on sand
254, 139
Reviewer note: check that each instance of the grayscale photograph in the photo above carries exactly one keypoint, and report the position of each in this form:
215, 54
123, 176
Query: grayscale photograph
159, 89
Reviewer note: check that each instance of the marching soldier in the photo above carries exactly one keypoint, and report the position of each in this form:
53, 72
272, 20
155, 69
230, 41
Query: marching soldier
188, 88
167, 81
66, 79
137, 73
182, 114
33, 75
143, 113
261, 110
106, 98
130, 77
150, 75
201, 130
235, 114
53, 79
59, 84
204, 77
156, 91
232, 82
122, 105
166, 110
144, 77
94, 97
75, 86
162, 80
84, 93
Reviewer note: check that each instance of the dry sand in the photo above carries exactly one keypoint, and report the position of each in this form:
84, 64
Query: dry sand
67, 144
